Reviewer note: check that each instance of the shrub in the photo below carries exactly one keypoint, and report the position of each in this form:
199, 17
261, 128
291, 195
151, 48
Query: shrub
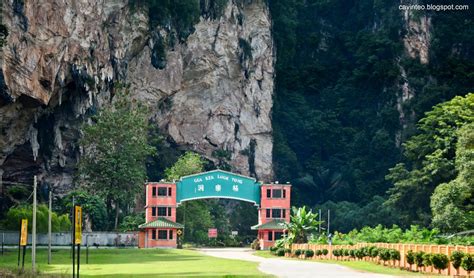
255, 245
336, 252
352, 253
419, 258
319, 252
298, 252
347, 252
410, 258
384, 254
359, 253
456, 259
467, 263
394, 255
374, 252
440, 261
287, 251
273, 249
280, 252
325, 252
427, 259
309, 253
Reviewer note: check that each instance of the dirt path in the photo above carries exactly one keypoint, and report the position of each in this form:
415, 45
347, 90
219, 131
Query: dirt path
289, 268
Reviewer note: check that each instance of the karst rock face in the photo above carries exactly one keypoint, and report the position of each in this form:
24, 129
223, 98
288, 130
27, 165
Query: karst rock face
62, 58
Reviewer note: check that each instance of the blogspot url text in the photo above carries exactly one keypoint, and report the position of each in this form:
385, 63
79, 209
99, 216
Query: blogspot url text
433, 7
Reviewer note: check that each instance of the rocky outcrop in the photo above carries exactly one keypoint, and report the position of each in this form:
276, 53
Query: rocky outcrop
62, 57
418, 36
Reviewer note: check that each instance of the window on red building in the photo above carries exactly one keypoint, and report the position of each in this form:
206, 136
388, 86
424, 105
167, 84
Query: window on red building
276, 193
169, 211
278, 235
269, 193
162, 234
162, 211
284, 193
267, 213
270, 236
153, 191
171, 234
276, 213
153, 211
162, 191
169, 191
284, 213
153, 234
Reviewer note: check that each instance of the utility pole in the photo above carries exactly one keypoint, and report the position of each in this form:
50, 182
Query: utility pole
33, 232
319, 212
49, 225
329, 217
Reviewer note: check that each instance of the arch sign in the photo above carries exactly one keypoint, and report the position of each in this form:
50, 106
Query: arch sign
161, 229
218, 184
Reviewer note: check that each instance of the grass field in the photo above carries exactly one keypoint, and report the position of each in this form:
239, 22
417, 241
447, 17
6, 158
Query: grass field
358, 265
135, 263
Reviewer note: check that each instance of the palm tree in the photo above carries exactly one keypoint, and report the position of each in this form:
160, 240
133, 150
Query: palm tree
302, 223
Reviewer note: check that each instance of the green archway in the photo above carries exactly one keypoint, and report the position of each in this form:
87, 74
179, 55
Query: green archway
218, 184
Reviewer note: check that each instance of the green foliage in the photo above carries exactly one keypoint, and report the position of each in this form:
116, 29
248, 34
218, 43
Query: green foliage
419, 258
336, 86
255, 245
346, 216
468, 263
456, 258
440, 261
280, 252
298, 252
93, 208
325, 252
452, 203
302, 223
430, 155
410, 257
374, 252
188, 164
12, 221
329, 81
132, 221
384, 254
319, 252
115, 148
394, 254
308, 253
427, 259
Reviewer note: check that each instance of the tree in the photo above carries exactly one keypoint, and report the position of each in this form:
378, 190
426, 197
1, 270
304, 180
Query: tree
430, 157
468, 263
93, 208
195, 228
440, 261
452, 203
456, 259
188, 164
59, 223
410, 258
302, 223
114, 151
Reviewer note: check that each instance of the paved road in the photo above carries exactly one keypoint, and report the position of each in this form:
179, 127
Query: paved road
290, 268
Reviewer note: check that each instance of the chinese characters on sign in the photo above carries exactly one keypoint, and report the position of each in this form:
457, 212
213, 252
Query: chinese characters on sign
78, 224
24, 232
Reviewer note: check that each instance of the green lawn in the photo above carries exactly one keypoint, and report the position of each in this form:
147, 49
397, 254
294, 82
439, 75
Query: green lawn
358, 265
137, 263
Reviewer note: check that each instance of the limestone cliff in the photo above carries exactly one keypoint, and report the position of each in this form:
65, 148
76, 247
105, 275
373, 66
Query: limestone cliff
62, 57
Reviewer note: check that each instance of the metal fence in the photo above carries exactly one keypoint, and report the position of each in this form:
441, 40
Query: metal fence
129, 239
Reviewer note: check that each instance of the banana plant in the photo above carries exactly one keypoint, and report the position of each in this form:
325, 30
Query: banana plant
302, 223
